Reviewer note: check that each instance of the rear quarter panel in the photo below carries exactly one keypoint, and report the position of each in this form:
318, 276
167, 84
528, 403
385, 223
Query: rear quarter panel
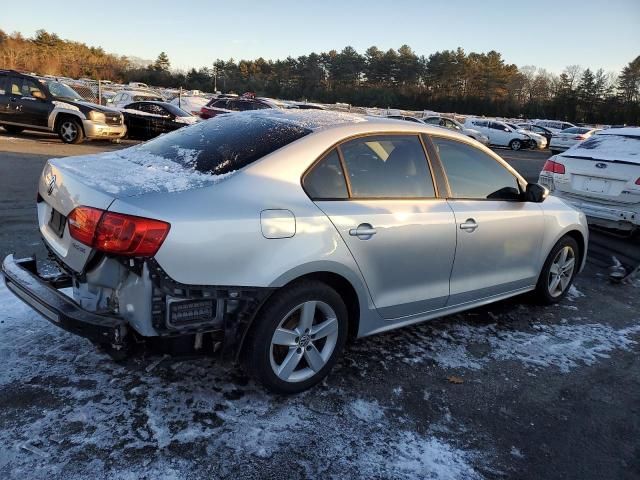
216, 236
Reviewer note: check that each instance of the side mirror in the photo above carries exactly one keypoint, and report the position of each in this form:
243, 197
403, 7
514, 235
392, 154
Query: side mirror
536, 193
38, 94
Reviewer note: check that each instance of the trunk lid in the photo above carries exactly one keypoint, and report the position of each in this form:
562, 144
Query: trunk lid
605, 167
96, 181
59, 193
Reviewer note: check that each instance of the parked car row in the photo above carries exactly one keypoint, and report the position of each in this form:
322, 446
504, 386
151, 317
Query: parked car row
45, 104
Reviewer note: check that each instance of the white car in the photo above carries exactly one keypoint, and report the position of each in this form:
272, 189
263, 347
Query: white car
568, 138
452, 124
601, 177
125, 97
537, 141
192, 103
554, 125
499, 133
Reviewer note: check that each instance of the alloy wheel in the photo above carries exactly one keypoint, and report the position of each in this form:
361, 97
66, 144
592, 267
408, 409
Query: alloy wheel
561, 271
69, 131
304, 341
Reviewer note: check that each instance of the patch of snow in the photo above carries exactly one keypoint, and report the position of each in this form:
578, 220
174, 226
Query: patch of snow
141, 113
368, 411
134, 172
92, 417
574, 293
516, 452
562, 346
610, 145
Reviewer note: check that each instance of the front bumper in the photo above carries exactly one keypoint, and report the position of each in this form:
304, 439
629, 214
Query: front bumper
43, 295
102, 130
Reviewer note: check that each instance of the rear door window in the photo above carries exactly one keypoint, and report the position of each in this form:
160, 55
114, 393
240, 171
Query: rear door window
325, 181
389, 166
3, 84
223, 144
473, 174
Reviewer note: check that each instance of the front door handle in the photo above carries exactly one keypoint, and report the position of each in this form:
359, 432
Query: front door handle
469, 225
364, 231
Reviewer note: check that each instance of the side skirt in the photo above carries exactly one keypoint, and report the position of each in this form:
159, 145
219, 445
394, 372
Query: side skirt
441, 312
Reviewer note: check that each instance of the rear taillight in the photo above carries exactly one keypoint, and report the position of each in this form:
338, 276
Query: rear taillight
83, 222
638, 181
553, 167
579, 137
116, 232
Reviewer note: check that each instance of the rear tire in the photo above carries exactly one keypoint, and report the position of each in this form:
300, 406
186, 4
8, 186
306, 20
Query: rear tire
297, 337
558, 271
515, 144
70, 130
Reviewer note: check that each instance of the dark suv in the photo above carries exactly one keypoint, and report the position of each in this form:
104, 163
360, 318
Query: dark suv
218, 106
28, 102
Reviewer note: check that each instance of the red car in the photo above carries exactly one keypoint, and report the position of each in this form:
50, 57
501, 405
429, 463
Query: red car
218, 106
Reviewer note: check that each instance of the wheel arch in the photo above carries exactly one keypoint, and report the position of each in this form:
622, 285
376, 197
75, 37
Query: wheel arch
582, 244
344, 287
59, 114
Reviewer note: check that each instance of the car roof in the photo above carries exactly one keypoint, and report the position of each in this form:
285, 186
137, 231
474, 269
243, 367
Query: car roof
346, 124
624, 131
155, 102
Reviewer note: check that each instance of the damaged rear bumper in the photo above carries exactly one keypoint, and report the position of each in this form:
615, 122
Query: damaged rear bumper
43, 295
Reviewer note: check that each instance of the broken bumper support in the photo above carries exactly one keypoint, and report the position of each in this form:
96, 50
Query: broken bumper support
42, 294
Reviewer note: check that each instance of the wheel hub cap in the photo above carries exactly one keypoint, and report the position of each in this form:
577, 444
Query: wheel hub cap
561, 271
304, 341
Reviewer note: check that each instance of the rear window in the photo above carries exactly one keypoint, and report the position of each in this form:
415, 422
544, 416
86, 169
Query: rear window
624, 148
226, 143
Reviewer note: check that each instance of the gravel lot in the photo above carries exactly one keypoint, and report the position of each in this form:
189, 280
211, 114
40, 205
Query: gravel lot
511, 390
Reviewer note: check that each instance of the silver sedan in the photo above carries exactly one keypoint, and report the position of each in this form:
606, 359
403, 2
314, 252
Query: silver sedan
272, 237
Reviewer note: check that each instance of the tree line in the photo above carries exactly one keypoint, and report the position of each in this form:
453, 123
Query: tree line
449, 80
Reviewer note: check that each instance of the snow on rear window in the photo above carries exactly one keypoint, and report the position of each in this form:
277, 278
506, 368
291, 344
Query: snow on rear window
609, 147
224, 143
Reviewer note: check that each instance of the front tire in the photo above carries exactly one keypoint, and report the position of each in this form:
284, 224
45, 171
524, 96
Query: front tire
297, 337
515, 144
13, 129
70, 131
558, 271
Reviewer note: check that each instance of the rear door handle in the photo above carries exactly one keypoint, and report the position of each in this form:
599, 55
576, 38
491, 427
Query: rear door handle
469, 225
364, 231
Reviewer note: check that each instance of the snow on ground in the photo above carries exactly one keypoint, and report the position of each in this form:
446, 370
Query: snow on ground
90, 417
95, 419
562, 346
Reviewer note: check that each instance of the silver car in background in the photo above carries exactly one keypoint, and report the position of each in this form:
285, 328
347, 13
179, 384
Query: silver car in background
270, 237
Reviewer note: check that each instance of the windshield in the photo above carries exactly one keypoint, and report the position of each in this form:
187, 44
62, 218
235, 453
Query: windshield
224, 143
178, 112
60, 90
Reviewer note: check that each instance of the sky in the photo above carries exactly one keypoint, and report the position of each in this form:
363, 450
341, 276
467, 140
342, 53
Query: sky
546, 33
